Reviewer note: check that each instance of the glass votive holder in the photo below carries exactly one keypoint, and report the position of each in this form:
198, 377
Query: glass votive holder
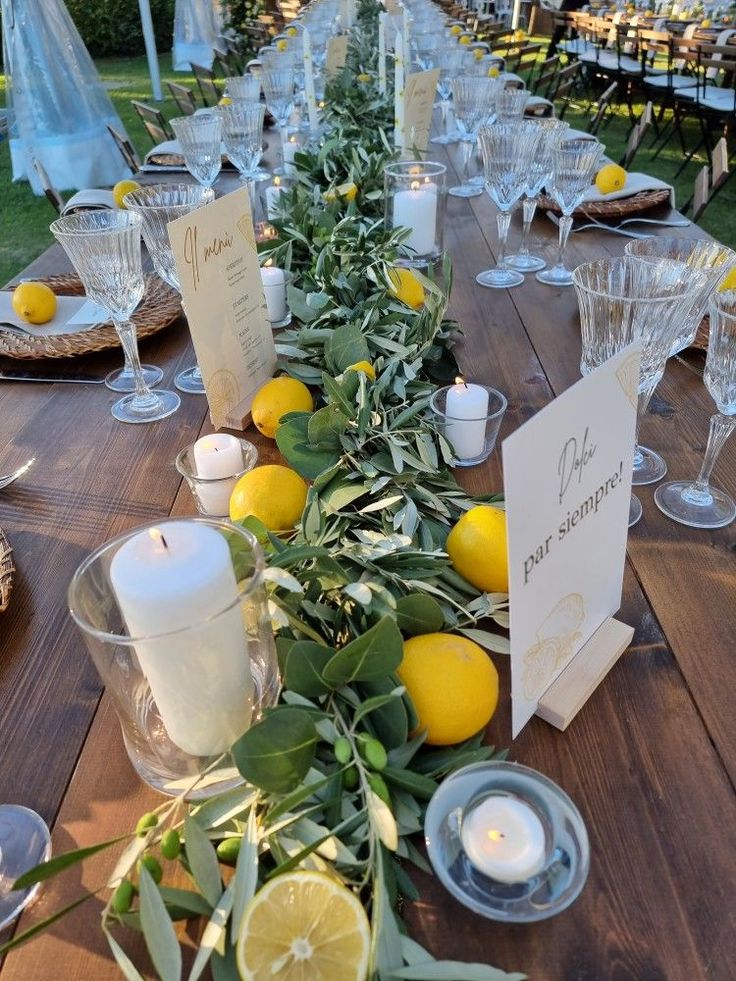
212, 493
270, 198
469, 417
507, 842
415, 192
275, 289
174, 615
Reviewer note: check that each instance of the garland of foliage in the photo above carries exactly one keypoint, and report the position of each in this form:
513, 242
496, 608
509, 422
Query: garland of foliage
337, 779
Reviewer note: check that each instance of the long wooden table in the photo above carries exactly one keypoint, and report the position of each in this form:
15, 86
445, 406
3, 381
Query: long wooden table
650, 760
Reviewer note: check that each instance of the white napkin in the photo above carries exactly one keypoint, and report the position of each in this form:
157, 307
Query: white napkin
74, 314
170, 146
93, 199
634, 184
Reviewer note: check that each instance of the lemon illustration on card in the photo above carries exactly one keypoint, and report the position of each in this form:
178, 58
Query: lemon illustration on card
556, 640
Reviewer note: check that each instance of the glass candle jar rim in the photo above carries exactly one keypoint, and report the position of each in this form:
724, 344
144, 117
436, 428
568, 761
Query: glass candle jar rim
113, 222
426, 169
244, 587
484, 418
686, 288
247, 448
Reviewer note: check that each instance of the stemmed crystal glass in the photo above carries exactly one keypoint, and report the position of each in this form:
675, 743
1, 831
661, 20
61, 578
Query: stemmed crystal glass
473, 99
159, 204
278, 88
627, 300
425, 46
574, 163
200, 139
696, 503
508, 149
551, 131
24, 844
510, 104
243, 88
242, 135
450, 59
105, 249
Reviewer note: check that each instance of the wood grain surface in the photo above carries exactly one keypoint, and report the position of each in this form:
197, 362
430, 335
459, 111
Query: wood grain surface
650, 760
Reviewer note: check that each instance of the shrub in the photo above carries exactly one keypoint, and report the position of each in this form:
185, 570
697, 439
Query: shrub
113, 27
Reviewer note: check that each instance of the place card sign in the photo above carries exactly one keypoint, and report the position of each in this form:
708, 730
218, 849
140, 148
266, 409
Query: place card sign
222, 295
567, 482
337, 53
419, 98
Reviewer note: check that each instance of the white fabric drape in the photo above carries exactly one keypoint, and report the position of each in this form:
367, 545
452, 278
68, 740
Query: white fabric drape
58, 110
195, 34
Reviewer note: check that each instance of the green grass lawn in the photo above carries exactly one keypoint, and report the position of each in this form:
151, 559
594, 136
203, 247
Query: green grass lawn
24, 219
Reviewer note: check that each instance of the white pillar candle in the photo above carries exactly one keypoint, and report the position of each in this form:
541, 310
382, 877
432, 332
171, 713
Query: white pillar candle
504, 839
309, 83
290, 149
405, 37
382, 52
217, 457
274, 288
399, 108
165, 582
416, 209
465, 419
273, 193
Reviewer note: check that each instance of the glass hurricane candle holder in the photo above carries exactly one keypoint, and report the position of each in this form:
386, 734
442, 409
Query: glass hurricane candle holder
212, 480
24, 843
175, 618
469, 418
507, 842
415, 193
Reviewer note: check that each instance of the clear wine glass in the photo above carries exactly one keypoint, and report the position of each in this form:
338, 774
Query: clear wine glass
697, 503
243, 88
574, 163
627, 300
200, 139
508, 149
24, 844
242, 135
278, 88
540, 170
510, 104
105, 249
450, 59
159, 204
473, 98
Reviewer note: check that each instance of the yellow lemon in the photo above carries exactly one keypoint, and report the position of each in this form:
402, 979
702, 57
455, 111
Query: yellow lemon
493, 72
477, 548
453, 685
455, 30
406, 287
349, 191
303, 925
121, 189
291, 31
225, 101
365, 366
274, 494
363, 77
728, 282
465, 39
519, 35
275, 399
282, 45
479, 54
34, 302
706, 23
610, 178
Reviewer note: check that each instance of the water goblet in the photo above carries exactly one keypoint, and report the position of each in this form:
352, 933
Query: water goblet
539, 172
24, 844
627, 300
278, 88
473, 98
574, 163
200, 139
510, 104
242, 134
450, 59
507, 150
243, 88
159, 204
105, 249
695, 502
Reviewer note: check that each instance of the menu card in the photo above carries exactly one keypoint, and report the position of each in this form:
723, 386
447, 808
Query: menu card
222, 294
337, 53
419, 98
567, 481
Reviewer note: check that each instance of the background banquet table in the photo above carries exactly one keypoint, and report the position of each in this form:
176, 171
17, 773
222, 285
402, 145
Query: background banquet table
650, 760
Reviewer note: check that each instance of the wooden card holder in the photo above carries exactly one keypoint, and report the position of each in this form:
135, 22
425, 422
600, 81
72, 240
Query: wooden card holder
566, 696
239, 417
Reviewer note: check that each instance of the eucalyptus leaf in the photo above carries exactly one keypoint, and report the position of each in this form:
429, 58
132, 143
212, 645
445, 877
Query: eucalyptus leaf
303, 668
374, 654
292, 440
346, 346
326, 426
158, 930
276, 753
418, 613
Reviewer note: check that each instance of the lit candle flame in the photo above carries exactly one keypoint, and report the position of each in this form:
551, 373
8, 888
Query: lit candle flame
276, 181
268, 262
496, 835
415, 185
157, 537
292, 139
415, 170
459, 380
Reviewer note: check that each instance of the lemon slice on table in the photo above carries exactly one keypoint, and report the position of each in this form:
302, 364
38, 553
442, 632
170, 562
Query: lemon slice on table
303, 926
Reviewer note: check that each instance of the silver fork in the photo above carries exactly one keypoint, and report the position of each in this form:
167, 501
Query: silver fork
670, 223
10, 477
594, 224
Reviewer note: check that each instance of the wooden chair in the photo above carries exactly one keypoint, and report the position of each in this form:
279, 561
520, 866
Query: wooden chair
155, 125
130, 157
567, 78
707, 186
544, 83
524, 58
52, 195
636, 136
228, 63
183, 97
712, 104
208, 87
602, 108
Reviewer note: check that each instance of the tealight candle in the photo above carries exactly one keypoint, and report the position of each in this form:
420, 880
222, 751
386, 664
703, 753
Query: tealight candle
200, 677
290, 149
504, 839
416, 209
274, 288
274, 192
465, 422
218, 458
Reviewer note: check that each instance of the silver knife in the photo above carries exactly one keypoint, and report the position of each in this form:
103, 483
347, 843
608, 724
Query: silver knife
51, 377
